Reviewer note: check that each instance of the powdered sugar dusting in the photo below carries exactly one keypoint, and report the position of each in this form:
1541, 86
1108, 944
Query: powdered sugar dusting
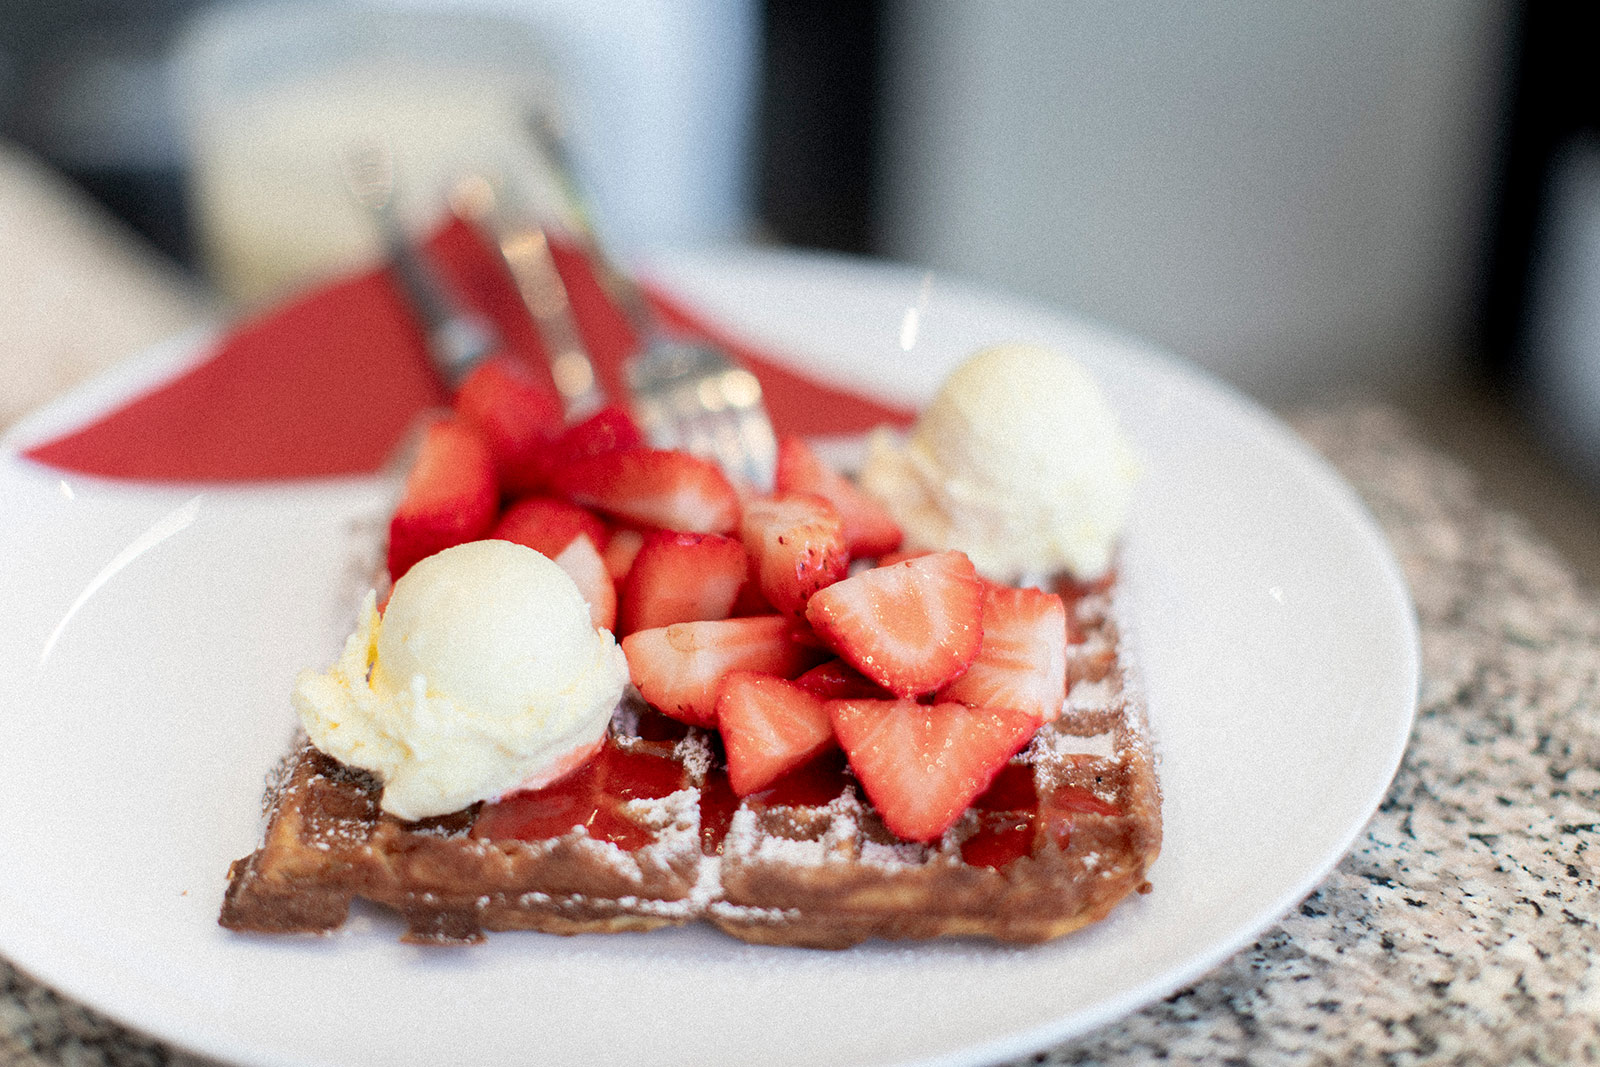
893, 855
675, 818
1093, 695
695, 753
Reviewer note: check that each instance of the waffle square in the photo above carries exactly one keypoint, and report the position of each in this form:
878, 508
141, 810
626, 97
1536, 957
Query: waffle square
650, 834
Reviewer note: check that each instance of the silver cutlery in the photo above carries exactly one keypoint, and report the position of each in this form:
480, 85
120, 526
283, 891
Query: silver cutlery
458, 340
686, 395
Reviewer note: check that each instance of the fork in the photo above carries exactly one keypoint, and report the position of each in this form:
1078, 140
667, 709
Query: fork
458, 340
685, 395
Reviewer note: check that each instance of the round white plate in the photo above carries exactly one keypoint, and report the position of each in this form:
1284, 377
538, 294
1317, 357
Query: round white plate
151, 634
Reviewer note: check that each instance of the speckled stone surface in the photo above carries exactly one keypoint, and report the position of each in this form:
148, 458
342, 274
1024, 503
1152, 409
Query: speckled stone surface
1463, 927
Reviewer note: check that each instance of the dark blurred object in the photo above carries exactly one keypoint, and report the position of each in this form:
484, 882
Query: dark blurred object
85, 88
1542, 320
818, 165
1555, 97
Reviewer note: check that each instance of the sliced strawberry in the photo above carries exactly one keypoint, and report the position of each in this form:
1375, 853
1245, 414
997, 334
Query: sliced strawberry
611, 429
665, 490
769, 727
679, 669
582, 562
450, 496
547, 524
1023, 661
682, 577
621, 551
750, 601
869, 529
519, 414
798, 544
911, 628
922, 764
889, 559
837, 680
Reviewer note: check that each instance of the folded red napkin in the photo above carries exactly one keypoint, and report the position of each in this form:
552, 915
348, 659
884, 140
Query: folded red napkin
326, 384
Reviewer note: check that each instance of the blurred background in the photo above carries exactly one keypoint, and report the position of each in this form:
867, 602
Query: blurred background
1312, 200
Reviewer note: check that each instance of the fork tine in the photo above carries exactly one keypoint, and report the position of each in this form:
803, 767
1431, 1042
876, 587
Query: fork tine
694, 398
683, 395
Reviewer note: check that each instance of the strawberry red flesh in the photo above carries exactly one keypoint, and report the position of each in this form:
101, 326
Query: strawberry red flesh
922, 764
837, 680
611, 429
911, 628
869, 529
587, 569
594, 797
649, 487
769, 727
798, 544
682, 577
1022, 663
621, 551
547, 525
679, 669
518, 414
815, 783
451, 495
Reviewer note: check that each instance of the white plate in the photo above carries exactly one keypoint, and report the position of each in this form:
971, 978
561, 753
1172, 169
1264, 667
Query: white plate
150, 636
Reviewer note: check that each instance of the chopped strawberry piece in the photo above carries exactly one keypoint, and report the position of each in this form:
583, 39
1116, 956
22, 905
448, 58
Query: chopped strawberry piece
922, 764
798, 544
911, 628
889, 559
547, 525
682, 577
869, 529
1022, 663
837, 680
621, 551
679, 669
769, 727
750, 601
519, 414
451, 495
665, 490
582, 562
611, 429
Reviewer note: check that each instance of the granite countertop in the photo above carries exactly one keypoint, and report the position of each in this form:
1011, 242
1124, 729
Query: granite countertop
1461, 929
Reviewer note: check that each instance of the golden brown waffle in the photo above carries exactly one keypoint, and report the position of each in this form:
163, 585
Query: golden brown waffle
1068, 829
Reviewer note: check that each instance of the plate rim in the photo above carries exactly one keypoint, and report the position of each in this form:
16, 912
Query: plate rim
170, 357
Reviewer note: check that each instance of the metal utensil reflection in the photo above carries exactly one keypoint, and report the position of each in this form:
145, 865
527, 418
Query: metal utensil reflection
458, 340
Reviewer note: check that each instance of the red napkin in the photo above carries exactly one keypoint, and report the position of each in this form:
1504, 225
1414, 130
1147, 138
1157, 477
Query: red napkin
326, 384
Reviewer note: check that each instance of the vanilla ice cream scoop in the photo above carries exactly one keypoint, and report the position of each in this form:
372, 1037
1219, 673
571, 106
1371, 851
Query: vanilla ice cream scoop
483, 675
1018, 462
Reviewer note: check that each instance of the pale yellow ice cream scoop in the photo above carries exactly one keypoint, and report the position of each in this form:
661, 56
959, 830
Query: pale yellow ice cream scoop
1019, 462
483, 675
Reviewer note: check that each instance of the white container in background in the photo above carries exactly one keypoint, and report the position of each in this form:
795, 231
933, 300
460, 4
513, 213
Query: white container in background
271, 94
1293, 195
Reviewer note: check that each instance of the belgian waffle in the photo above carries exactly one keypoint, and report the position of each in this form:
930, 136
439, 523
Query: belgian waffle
650, 834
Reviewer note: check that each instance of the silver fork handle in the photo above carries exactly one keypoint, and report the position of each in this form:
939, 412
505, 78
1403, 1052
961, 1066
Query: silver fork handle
526, 250
457, 339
